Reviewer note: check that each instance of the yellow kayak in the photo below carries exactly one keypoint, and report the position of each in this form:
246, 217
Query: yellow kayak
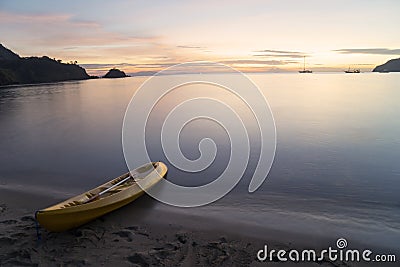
94, 203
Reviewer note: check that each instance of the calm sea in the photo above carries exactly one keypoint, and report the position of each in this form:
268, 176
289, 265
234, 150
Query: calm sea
336, 172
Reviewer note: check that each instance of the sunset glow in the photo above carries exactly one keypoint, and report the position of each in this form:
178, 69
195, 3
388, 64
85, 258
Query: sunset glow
252, 36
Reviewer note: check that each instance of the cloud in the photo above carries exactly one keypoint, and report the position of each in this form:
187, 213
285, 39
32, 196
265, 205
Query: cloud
7, 17
257, 62
279, 53
370, 51
190, 47
65, 30
125, 66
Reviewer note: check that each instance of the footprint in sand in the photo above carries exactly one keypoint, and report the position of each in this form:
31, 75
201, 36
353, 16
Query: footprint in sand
3, 208
7, 241
139, 260
128, 235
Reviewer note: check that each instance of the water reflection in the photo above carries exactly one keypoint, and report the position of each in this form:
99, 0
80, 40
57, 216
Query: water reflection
337, 152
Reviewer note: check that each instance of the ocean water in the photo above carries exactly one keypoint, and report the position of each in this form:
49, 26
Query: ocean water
336, 171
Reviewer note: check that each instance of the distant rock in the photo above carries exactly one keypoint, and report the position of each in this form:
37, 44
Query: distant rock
115, 73
26, 70
392, 65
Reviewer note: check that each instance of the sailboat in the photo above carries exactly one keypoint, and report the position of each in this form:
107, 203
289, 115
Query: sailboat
352, 71
304, 67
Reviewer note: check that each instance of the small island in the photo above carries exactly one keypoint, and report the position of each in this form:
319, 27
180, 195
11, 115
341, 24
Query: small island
28, 70
115, 73
392, 65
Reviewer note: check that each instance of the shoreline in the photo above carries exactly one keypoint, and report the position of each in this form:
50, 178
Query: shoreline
139, 234
134, 76
43, 83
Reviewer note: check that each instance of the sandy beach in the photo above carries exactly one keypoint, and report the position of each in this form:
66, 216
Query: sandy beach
136, 235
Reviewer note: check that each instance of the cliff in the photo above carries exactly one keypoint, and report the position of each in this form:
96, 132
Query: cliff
7, 54
392, 65
17, 70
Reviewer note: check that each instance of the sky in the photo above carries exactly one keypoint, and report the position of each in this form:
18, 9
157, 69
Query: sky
251, 36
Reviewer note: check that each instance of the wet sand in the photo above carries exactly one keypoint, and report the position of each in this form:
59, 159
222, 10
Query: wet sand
135, 235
